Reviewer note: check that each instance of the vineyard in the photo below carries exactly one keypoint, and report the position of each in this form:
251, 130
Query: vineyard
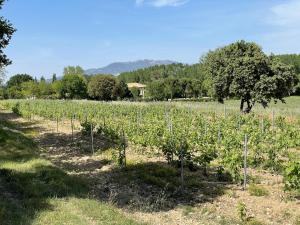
188, 136
183, 133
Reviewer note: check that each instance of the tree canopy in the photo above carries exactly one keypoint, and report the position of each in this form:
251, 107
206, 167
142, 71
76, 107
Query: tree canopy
73, 70
18, 79
158, 72
73, 86
6, 32
243, 70
107, 88
293, 60
171, 81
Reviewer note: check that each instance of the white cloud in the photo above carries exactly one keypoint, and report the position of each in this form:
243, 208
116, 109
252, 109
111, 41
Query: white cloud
162, 3
286, 14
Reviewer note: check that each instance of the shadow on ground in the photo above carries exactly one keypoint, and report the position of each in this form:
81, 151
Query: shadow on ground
27, 181
140, 186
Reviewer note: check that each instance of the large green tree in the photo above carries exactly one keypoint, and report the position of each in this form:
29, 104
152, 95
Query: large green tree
243, 70
14, 85
102, 87
6, 32
18, 79
121, 90
156, 90
73, 86
30, 89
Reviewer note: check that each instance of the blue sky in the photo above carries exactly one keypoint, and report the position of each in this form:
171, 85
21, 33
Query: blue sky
93, 33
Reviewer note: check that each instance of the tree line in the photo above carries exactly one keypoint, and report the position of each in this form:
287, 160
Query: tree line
293, 60
197, 80
239, 70
76, 85
73, 85
172, 81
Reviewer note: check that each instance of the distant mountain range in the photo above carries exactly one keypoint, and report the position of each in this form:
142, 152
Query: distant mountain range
121, 67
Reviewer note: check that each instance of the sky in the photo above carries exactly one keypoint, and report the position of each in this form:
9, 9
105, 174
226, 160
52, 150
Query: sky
93, 33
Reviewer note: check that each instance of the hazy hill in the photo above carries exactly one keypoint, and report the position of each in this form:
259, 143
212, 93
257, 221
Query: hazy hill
121, 67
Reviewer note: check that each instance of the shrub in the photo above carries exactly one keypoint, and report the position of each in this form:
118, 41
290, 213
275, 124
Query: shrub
86, 127
242, 211
16, 108
292, 176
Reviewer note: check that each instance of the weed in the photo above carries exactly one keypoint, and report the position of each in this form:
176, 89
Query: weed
188, 210
256, 190
242, 211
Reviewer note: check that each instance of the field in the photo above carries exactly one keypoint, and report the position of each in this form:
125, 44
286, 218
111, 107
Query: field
85, 162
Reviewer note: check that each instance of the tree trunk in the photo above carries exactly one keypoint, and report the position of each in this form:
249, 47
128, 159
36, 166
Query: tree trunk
249, 107
242, 105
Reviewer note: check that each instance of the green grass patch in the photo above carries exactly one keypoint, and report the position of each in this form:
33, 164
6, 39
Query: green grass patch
81, 211
256, 190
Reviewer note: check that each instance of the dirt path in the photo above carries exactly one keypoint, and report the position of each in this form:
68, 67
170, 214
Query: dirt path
65, 151
74, 156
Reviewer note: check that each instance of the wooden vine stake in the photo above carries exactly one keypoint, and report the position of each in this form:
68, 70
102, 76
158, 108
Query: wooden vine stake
72, 128
171, 132
181, 168
124, 147
56, 124
122, 150
273, 120
219, 135
92, 138
245, 161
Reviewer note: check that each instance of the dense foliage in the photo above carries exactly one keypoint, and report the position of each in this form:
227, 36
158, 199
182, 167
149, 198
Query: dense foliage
292, 176
243, 70
104, 87
14, 85
171, 81
171, 88
73, 85
294, 60
159, 72
18, 79
6, 32
291, 59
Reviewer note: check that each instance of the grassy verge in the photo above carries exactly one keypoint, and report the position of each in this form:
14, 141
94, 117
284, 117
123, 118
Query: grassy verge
34, 191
